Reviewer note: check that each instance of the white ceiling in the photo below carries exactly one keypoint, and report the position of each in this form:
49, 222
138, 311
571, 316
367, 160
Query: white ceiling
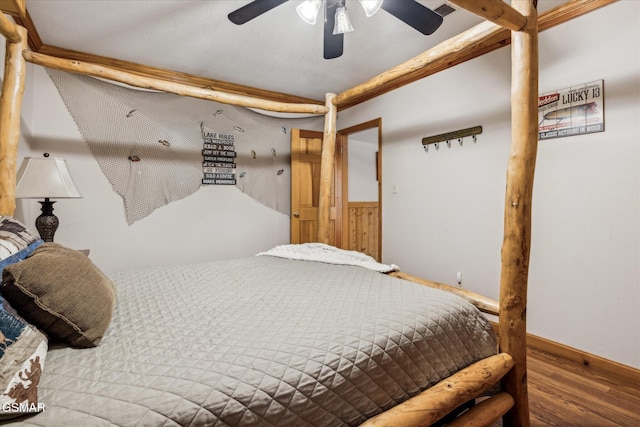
276, 51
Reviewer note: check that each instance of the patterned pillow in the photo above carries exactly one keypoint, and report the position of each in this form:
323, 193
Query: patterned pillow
16, 242
23, 349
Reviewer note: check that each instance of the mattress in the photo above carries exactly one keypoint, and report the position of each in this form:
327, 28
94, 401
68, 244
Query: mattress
260, 341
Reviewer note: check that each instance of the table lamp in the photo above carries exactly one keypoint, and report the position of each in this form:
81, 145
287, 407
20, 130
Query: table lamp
45, 178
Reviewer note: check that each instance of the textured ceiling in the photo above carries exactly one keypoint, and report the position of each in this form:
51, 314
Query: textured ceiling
276, 51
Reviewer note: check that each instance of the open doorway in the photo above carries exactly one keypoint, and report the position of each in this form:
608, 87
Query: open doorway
362, 188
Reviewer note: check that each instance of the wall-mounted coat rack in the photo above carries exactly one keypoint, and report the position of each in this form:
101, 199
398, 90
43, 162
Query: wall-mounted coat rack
450, 136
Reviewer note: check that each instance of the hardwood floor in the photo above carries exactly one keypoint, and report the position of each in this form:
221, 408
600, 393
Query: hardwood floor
566, 393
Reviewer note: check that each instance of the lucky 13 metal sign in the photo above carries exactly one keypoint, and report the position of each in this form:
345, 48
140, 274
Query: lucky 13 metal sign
572, 111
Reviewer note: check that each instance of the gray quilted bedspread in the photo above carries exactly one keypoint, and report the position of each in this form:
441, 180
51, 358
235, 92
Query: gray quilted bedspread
261, 341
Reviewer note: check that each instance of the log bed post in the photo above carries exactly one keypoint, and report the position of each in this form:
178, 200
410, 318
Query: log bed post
10, 109
326, 169
517, 215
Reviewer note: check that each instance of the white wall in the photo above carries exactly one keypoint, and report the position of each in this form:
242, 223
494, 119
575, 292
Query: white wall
447, 216
216, 222
363, 186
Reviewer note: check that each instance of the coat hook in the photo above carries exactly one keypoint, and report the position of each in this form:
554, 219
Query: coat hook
475, 139
449, 136
437, 144
426, 148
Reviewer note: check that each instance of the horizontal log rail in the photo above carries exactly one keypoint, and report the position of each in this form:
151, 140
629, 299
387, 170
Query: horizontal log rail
568, 11
15, 8
484, 304
485, 413
439, 400
496, 11
9, 30
170, 75
446, 51
384, 83
131, 79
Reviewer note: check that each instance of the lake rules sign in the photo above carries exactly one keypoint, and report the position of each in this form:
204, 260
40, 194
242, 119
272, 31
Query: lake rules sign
572, 111
218, 158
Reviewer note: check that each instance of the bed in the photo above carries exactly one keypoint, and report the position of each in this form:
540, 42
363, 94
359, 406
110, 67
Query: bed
516, 23
264, 340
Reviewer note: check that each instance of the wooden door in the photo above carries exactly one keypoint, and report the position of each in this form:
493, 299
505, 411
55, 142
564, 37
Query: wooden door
306, 150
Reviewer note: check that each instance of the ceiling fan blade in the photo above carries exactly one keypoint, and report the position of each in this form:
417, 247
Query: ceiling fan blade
252, 10
414, 14
333, 44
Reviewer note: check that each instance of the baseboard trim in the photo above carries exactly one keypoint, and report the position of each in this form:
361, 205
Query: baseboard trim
591, 361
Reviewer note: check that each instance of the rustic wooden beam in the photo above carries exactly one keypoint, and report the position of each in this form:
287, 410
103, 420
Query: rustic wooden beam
568, 11
484, 304
517, 210
175, 76
448, 50
437, 401
167, 86
13, 7
9, 30
485, 413
496, 11
10, 110
326, 169
502, 37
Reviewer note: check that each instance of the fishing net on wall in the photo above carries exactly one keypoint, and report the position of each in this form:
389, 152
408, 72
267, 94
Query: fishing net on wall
156, 148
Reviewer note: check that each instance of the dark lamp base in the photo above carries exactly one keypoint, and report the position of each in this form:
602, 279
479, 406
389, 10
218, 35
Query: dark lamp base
47, 222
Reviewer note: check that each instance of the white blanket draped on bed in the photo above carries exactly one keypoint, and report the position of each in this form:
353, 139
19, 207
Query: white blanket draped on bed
260, 341
321, 252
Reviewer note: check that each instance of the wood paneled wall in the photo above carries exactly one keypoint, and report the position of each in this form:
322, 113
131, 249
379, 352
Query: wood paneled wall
362, 231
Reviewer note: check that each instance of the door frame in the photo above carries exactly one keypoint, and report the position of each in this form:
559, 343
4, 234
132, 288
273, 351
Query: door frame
371, 124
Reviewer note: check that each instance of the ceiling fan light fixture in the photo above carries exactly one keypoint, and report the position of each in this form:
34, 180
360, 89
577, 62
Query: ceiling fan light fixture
370, 7
308, 10
343, 23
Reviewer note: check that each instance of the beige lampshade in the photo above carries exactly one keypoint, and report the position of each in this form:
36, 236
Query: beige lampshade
45, 177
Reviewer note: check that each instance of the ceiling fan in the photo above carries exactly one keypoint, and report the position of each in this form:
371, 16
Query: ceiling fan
336, 21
